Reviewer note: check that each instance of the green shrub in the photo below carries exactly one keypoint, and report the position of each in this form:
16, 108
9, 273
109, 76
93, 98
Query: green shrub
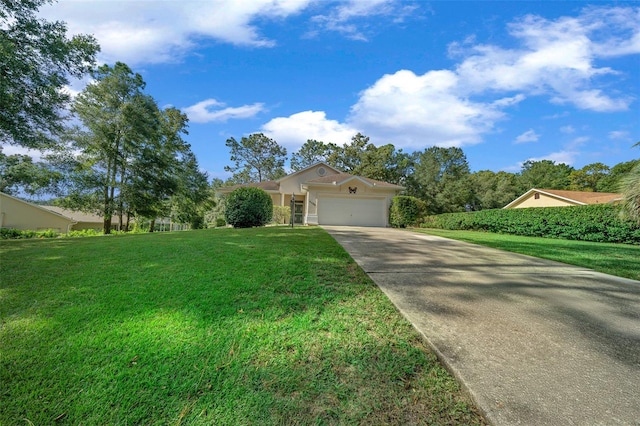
405, 211
220, 222
281, 215
247, 207
16, 234
197, 222
48, 233
598, 223
84, 233
11, 234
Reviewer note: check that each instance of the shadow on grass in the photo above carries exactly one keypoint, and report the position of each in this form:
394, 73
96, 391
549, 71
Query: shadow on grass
228, 326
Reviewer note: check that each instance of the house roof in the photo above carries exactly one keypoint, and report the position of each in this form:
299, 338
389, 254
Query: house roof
575, 197
321, 163
75, 215
342, 178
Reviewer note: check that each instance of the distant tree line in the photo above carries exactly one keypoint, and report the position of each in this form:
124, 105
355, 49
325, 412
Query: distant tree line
441, 177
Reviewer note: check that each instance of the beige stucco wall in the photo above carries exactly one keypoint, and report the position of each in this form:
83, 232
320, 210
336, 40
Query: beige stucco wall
363, 191
292, 185
543, 201
80, 226
21, 215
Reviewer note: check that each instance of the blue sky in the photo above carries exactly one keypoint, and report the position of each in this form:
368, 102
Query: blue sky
507, 81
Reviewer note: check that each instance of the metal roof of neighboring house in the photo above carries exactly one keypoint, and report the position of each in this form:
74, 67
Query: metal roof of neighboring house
584, 197
77, 216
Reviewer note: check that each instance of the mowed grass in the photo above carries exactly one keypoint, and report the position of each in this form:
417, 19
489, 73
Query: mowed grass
254, 326
622, 260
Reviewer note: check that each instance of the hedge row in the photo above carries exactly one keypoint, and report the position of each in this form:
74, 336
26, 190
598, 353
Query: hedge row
598, 223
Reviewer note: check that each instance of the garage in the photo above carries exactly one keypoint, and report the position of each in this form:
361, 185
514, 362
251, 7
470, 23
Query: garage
352, 211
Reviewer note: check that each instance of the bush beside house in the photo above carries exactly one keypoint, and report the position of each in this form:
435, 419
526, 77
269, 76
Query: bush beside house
597, 223
247, 207
281, 215
405, 211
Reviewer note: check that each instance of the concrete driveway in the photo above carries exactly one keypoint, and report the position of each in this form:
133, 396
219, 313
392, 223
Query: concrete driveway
534, 342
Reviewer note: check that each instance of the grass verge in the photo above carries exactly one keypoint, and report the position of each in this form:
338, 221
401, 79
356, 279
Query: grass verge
253, 326
622, 260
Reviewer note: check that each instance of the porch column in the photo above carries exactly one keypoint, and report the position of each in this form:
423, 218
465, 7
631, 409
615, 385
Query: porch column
281, 199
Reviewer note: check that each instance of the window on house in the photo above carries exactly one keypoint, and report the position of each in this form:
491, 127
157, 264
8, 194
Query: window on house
536, 196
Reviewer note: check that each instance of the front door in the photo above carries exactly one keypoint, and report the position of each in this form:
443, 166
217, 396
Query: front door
298, 212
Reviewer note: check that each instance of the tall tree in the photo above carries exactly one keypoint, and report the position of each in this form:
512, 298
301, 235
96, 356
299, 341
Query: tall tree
384, 163
493, 190
612, 182
349, 156
194, 197
153, 172
441, 179
588, 178
310, 153
36, 61
256, 158
117, 119
544, 174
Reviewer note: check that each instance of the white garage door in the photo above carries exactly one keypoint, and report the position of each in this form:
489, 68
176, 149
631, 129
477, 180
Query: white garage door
352, 211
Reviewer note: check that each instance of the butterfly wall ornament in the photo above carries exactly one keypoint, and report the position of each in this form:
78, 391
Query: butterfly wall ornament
353, 190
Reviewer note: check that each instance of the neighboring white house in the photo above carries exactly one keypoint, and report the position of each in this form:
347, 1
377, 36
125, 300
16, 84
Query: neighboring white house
561, 198
324, 195
18, 214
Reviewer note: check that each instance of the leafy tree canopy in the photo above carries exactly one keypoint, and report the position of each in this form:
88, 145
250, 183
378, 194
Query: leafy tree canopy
310, 153
544, 174
36, 61
19, 173
256, 158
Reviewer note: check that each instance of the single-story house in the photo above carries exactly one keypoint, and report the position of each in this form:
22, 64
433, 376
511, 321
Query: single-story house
561, 198
19, 214
323, 195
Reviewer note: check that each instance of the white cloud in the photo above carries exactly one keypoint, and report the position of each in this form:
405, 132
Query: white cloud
293, 131
202, 112
567, 129
555, 57
567, 157
619, 135
150, 32
414, 111
341, 19
138, 32
528, 136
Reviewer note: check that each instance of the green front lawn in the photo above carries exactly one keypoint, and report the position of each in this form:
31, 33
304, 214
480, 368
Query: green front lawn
253, 326
622, 260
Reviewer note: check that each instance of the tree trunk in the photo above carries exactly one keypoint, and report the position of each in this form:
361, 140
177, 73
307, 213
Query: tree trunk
106, 211
107, 225
152, 225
